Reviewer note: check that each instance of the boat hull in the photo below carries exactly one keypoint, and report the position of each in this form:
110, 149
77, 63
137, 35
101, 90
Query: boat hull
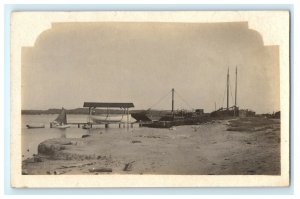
98, 119
62, 126
146, 117
34, 126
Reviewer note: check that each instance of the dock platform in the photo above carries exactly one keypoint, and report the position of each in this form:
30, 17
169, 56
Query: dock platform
81, 124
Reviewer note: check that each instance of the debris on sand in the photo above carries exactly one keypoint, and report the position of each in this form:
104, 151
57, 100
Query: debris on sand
65, 167
55, 172
148, 136
84, 136
173, 128
100, 170
136, 141
128, 166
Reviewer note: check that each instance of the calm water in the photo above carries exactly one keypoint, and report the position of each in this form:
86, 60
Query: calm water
31, 138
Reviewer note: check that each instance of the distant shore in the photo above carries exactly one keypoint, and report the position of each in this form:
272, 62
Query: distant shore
246, 146
84, 111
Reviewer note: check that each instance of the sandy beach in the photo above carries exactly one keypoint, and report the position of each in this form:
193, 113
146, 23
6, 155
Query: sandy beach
247, 146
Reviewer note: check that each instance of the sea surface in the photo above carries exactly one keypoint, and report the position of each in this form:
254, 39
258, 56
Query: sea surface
31, 138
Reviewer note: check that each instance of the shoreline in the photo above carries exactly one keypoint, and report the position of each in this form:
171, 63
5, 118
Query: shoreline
247, 146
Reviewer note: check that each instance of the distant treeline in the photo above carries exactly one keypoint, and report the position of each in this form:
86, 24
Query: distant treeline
85, 111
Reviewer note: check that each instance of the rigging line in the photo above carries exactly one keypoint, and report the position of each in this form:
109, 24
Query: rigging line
160, 100
183, 100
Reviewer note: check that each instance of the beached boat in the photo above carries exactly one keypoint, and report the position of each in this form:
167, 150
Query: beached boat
147, 116
32, 126
61, 120
167, 119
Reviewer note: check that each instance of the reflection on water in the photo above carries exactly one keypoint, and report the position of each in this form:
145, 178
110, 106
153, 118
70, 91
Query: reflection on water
31, 138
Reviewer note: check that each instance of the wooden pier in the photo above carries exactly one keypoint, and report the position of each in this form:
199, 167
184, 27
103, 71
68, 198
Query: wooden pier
106, 125
106, 119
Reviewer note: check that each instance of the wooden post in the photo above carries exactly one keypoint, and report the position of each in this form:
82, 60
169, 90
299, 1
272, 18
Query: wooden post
50, 124
78, 125
119, 125
106, 125
173, 101
90, 110
127, 118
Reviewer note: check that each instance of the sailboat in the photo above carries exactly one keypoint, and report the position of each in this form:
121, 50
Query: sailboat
61, 120
232, 111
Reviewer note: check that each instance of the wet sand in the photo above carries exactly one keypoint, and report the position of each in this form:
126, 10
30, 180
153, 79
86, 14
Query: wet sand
249, 146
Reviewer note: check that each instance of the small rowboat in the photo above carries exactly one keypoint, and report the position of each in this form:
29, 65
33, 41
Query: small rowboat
30, 126
87, 126
62, 126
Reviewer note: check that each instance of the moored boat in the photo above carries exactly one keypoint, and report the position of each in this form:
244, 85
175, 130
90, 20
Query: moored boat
87, 126
62, 126
61, 121
33, 126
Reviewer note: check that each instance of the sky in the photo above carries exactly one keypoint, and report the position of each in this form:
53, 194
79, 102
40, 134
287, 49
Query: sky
73, 63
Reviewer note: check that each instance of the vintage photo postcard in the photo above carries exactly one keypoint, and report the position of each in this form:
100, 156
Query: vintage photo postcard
150, 99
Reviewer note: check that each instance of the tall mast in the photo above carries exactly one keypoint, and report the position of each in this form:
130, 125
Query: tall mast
228, 89
172, 100
235, 86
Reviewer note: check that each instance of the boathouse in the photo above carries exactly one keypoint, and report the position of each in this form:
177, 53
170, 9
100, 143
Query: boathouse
109, 118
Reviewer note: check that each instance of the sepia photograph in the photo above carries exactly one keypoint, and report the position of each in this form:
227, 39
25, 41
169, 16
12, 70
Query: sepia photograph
150, 99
